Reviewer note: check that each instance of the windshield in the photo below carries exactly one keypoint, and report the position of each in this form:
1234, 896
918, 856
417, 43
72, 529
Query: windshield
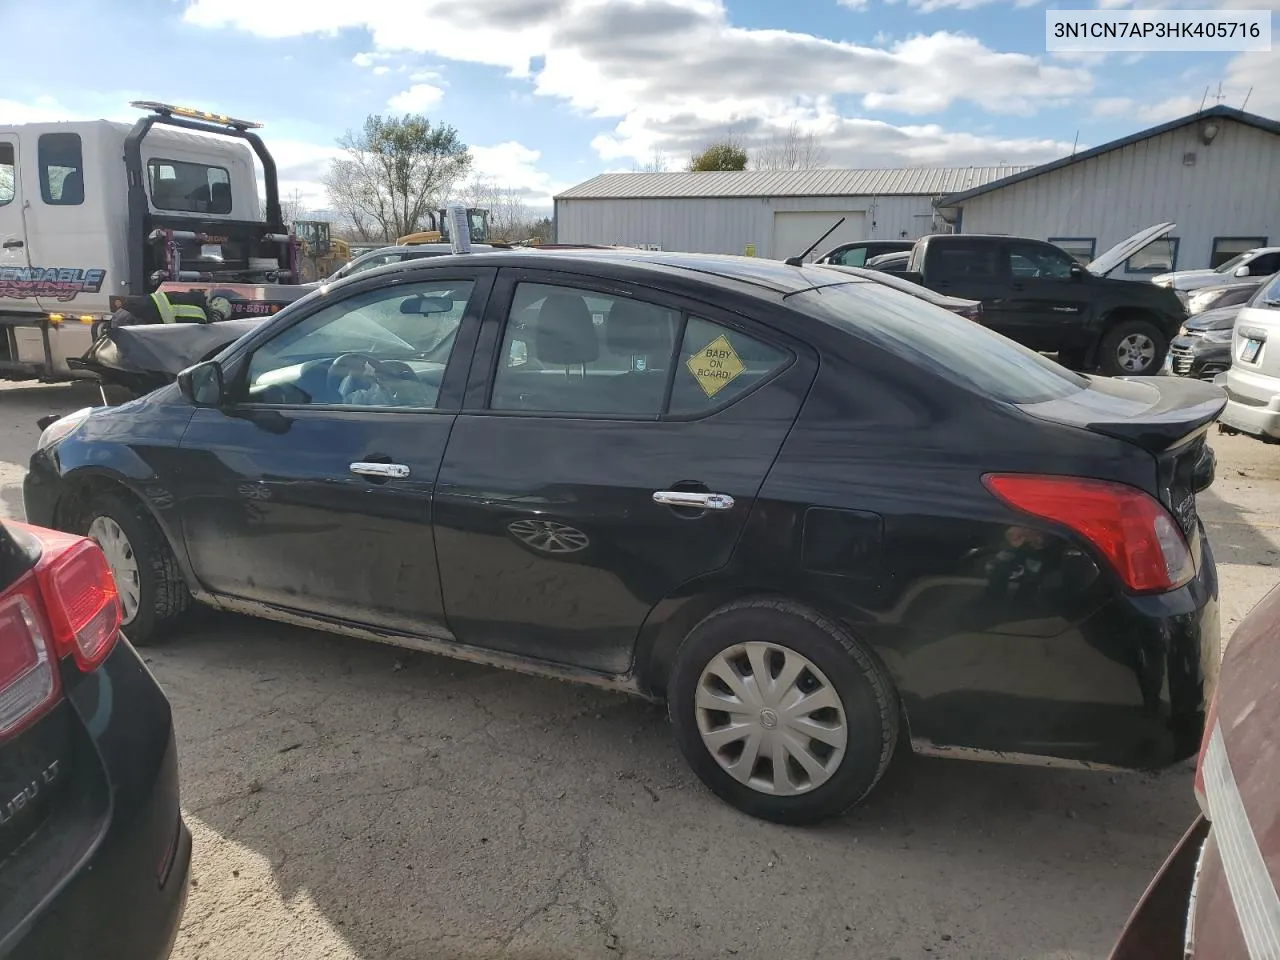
946, 344
1269, 295
1234, 262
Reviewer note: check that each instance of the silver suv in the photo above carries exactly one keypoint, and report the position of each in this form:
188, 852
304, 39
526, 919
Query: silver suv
1253, 380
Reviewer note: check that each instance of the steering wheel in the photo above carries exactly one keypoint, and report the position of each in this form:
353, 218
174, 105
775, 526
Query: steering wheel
353, 372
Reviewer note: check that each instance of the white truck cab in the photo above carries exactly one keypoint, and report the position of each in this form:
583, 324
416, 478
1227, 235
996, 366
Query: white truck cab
94, 211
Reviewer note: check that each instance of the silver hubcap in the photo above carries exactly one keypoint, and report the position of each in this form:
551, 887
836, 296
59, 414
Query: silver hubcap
1136, 352
771, 718
120, 558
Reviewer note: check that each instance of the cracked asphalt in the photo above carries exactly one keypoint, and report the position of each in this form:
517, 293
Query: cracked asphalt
351, 800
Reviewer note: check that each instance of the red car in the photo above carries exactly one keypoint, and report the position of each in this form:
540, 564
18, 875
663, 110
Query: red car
1215, 897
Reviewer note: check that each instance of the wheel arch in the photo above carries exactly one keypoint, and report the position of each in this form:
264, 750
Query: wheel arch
671, 620
82, 486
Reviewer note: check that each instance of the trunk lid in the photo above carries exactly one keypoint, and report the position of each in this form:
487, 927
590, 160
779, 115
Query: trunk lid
1166, 416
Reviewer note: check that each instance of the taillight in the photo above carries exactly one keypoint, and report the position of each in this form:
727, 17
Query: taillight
1210, 721
1128, 526
28, 677
84, 608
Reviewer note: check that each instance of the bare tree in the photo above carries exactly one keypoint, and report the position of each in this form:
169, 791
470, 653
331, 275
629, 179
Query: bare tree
395, 172
350, 198
509, 218
657, 163
293, 207
791, 150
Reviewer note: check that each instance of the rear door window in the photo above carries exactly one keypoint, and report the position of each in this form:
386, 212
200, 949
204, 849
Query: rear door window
942, 342
964, 262
186, 187
716, 365
61, 169
8, 173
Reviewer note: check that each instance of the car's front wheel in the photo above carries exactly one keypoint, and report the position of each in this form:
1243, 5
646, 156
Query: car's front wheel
152, 591
1133, 348
780, 712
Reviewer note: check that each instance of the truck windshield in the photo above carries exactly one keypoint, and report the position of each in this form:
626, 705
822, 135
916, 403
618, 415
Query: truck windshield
949, 345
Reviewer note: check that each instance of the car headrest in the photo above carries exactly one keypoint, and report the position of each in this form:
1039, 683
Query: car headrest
565, 333
638, 328
73, 187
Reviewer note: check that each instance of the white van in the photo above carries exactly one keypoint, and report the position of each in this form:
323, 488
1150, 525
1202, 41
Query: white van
1253, 380
94, 211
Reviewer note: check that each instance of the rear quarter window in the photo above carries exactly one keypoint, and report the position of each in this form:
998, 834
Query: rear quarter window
946, 345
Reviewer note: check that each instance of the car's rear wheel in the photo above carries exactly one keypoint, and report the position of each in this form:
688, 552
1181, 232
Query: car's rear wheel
152, 592
1133, 348
780, 712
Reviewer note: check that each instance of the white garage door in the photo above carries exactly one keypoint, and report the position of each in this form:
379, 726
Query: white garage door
794, 233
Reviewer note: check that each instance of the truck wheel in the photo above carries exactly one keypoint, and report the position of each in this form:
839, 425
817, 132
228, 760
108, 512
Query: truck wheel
152, 592
1133, 348
780, 712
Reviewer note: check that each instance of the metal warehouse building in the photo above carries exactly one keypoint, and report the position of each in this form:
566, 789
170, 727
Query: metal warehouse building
776, 214
1216, 174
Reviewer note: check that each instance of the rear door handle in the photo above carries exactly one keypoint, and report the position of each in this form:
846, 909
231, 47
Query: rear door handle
10, 244
699, 501
384, 471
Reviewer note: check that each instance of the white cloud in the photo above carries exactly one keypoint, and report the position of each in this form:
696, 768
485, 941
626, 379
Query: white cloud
853, 4
512, 165
363, 59
416, 99
670, 71
381, 71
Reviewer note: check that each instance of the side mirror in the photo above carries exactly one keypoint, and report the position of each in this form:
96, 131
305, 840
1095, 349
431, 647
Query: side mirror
1242, 271
202, 384
1077, 272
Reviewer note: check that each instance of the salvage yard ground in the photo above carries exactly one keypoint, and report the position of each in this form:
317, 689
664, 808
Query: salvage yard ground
351, 800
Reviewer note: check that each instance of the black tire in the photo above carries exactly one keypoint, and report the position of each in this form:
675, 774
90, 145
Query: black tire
865, 692
162, 591
1108, 351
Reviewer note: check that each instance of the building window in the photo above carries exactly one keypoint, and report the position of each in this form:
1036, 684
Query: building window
1081, 248
8, 173
61, 169
189, 187
1224, 248
1159, 256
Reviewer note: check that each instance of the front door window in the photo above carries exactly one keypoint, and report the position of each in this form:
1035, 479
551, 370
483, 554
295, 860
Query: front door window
381, 348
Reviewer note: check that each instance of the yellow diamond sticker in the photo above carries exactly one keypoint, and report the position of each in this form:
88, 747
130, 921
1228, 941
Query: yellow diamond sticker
715, 366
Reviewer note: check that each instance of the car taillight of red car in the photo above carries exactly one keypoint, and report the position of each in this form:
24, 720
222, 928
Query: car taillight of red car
1132, 530
65, 607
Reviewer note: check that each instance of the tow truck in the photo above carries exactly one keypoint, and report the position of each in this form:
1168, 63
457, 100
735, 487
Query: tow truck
92, 212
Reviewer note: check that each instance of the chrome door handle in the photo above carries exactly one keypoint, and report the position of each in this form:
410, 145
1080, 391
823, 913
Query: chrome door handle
699, 501
385, 471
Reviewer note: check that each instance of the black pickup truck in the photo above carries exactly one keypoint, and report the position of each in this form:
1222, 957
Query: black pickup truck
1037, 294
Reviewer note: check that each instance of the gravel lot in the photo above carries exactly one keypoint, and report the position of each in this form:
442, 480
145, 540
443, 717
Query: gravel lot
350, 800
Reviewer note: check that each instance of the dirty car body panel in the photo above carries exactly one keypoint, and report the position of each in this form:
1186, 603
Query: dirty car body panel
849, 477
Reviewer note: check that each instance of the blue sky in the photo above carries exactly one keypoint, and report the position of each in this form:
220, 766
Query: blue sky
551, 92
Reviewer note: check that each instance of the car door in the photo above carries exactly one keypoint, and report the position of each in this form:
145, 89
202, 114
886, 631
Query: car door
13, 251
311, 490
610, 450
1046, 306
973, 269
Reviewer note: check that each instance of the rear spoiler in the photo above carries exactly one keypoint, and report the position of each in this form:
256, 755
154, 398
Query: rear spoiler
1185, 408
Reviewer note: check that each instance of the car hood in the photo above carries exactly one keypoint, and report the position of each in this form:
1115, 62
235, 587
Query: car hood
1220, 318
1108, 260
1188, 280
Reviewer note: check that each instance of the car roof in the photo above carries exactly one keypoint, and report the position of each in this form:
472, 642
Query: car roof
757, 274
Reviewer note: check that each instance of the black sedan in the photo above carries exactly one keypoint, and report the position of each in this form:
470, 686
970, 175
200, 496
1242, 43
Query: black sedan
93, 851
811, 513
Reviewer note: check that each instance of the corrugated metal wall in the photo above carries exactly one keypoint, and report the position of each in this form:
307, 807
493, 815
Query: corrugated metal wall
1231, 190
727, 225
